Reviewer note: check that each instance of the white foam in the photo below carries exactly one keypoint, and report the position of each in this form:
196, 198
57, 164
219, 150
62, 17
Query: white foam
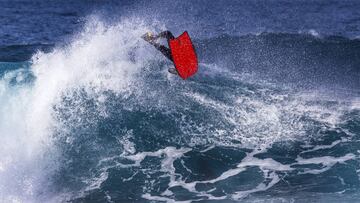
261, 187
314, 33
268, 166
253, 119
326, 161
320, 147
101, 58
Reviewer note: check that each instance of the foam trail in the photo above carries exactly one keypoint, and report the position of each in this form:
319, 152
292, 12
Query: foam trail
326, 161
269, 167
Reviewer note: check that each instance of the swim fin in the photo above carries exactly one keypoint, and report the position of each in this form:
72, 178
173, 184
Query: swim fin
173, 71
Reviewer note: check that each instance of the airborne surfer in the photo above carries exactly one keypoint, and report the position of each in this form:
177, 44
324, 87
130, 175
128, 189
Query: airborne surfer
180, 51
151, 38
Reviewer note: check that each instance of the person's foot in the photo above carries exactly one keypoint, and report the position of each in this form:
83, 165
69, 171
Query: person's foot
173, 71
148, 36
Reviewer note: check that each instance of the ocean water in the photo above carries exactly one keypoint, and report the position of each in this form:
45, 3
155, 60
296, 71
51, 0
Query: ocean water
89, 113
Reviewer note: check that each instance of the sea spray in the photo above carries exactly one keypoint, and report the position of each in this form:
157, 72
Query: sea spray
101, 58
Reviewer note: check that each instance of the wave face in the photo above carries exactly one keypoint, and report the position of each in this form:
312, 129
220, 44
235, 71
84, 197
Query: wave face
272, 115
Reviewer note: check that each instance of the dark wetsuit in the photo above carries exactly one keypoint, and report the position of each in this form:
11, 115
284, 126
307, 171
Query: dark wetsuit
163, 49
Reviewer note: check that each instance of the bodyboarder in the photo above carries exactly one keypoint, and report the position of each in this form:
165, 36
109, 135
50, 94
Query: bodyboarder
151, 38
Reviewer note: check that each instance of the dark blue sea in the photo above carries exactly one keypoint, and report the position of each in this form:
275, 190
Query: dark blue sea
90, 114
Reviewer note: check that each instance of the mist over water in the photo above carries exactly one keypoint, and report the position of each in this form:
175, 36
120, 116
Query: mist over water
97, 118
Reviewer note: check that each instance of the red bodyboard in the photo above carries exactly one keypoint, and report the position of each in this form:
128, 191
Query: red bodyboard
184, 56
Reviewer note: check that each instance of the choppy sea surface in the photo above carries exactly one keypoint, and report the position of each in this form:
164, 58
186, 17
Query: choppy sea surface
89, 113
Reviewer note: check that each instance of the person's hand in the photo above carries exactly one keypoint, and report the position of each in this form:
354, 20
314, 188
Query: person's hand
148, 36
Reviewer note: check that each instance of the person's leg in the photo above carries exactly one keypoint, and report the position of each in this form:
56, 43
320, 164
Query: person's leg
164, 50
165, 34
